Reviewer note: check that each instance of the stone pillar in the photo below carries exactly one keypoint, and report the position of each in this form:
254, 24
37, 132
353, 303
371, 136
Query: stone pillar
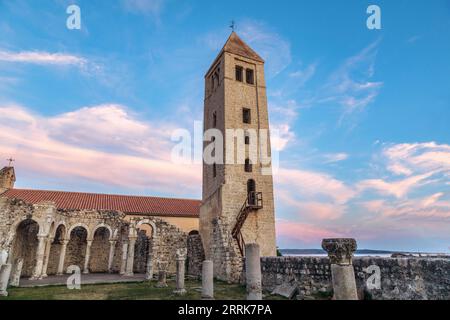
87, 257
16, 273
162, 275
149, 268
207, 280
130, 257
47, 257
5, 272
40, 253
340, 252
62, 257
253, 271
112, 248
123, 264
181, 265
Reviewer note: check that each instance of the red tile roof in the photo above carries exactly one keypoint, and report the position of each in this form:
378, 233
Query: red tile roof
154, 206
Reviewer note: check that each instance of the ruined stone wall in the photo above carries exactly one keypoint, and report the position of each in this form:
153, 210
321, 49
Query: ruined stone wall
195, 255
168, 240
77, 228
401, 278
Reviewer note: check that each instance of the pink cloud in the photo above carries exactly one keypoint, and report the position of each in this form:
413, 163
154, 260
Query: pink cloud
67, 146
398, 188
303, 232
313, 184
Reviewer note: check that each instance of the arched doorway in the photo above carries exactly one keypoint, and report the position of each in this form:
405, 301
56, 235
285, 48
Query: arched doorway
251, 189
76, 248
55, 249
25, 245
143, 247
100, 251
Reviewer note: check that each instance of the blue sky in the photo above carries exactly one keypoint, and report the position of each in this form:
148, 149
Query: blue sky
363, 114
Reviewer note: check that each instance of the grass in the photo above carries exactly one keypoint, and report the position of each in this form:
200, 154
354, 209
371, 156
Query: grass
127, 291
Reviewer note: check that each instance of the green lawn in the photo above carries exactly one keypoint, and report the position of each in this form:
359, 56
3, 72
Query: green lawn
126, 291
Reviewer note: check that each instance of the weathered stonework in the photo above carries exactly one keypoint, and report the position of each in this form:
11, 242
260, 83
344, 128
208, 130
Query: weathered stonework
195, 255
225, 193
401, 278
47, 240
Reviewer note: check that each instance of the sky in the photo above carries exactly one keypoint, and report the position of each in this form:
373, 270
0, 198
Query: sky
363, 114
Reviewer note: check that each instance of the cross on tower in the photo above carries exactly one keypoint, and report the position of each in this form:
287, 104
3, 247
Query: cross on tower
233, 25
10, 160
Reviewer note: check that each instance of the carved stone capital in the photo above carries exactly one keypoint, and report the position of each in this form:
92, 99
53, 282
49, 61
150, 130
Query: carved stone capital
340, 251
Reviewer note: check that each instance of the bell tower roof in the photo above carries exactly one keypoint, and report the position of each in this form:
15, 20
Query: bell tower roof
237, 46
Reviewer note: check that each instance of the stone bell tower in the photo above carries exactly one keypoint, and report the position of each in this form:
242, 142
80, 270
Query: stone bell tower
238, 205
7, 178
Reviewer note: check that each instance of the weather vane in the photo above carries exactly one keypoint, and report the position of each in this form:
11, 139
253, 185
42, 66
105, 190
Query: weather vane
233, 25
10, 160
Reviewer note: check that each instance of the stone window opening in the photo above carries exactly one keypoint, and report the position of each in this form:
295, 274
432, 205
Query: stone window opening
246, 115
214, 119
248, 166
251, 189
249, 76
247, 138
214, 170
239, 73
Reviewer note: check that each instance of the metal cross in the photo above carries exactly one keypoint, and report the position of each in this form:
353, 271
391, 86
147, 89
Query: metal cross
233, 25
10, 160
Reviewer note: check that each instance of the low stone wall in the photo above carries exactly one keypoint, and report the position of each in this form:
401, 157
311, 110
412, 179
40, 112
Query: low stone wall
401, 278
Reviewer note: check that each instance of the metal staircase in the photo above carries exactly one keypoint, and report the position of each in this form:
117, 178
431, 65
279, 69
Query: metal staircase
253, 201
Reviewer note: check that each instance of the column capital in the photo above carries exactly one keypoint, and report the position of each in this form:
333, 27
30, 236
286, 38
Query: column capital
89, 242
65, 242
340, 251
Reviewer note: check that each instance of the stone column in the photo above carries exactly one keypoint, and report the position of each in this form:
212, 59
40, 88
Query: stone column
112, 248
16, 273
130, 257
62, 257
47, 257
123, 265
149, 268
340, 252
5, 272
181, 264
162, 275
207, 280
40, 253
253, 271
87, 257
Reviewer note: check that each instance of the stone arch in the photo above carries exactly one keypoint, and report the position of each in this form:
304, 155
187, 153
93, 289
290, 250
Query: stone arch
25, 244
145, 244
121, 236
60, 226
193, 232
78, 236
98, 262
103, 225
82, 225
59, 236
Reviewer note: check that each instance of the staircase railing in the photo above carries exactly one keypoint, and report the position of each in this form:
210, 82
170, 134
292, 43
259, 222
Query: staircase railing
253, 201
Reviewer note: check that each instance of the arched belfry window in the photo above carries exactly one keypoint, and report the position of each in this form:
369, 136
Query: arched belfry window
214, 119
251, 189
248, 166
